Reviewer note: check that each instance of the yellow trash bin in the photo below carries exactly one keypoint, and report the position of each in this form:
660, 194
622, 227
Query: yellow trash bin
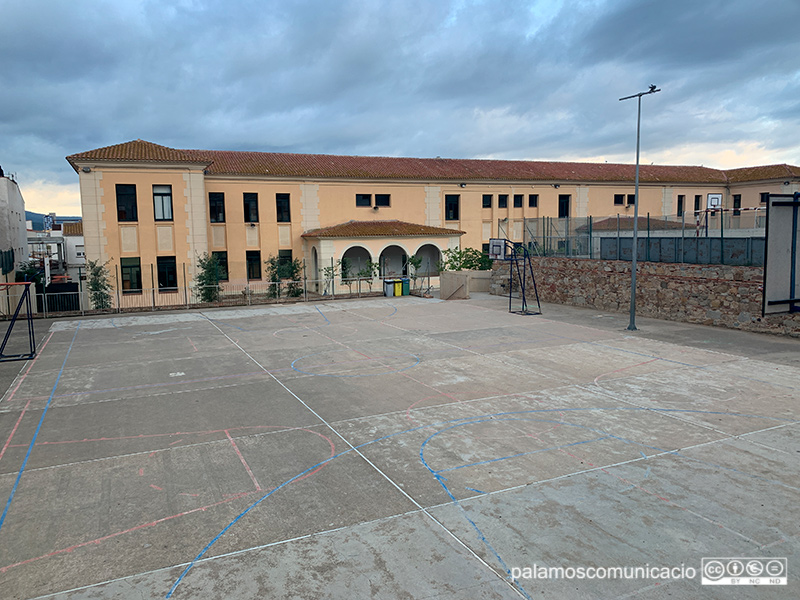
398, 287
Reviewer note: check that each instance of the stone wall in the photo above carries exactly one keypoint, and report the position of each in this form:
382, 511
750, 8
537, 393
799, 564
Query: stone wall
721, 295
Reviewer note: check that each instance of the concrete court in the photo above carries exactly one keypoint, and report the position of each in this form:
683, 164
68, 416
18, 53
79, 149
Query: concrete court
394, 448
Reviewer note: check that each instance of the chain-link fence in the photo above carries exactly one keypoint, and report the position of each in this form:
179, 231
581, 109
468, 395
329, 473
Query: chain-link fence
729, 236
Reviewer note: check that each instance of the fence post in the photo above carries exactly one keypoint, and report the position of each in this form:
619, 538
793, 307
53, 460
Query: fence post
185, 286
305, 282
153, 283
722, 236
647, 254
683, 231
116, 276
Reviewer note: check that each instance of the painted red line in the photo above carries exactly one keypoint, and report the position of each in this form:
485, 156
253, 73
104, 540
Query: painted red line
14, 391
141, 471
244, 462
155, 487
176, 442
624, 369
118, 533
192, 343
230, 498
30, 366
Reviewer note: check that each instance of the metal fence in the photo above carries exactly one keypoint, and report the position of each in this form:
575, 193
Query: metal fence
730, 236
224, 294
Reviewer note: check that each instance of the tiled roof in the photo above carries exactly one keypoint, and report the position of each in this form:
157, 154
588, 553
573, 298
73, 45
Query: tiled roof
138, 150
73, 228
379, 229
625, 223
324, 166
762, 173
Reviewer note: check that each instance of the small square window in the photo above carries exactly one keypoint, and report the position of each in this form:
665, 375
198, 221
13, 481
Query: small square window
382, 200
631, 198
363, 199
518, 200
533, 200
619, 199
502, 201
764, 197
487, 201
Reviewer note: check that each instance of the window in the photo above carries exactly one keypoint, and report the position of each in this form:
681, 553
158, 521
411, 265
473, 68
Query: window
485, 249
451, 202
284, 257
363, 199
80, 251
250, 207
563, 206
131, 271
216, 207
631, 198
126, 202
162, 202
222, 259
382, 200
282, 208
619, 199
681, 203
487, 201
533, 200
698, 199
253, 264
764, 197
167, 274
517, 200
737, 204
502, 201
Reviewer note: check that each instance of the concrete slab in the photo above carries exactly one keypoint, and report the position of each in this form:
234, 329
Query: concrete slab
393, 448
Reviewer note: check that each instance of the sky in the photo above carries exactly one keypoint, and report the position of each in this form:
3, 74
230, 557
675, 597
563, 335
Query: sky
536, 79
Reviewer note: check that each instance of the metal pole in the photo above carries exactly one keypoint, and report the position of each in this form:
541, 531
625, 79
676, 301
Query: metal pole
652, 90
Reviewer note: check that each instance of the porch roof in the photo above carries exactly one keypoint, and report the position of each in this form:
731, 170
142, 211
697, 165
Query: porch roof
393, 228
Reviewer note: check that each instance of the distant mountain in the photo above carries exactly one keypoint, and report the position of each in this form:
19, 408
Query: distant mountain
37, 219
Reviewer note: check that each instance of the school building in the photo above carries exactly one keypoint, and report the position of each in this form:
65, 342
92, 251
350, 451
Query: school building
151, 211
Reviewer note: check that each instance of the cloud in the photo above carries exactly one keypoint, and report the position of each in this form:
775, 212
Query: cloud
458, 78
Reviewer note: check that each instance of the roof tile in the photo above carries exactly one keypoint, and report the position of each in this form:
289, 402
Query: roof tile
392, 228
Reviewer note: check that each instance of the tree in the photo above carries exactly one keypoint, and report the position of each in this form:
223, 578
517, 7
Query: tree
208, 276
415, 262
30, 271
368, 272
280, 269
97, 278
455, 259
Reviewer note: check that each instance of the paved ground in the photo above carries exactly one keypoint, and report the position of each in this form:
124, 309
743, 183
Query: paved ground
394, 448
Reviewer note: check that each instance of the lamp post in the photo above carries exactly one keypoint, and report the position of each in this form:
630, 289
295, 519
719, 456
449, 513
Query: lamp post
635, 250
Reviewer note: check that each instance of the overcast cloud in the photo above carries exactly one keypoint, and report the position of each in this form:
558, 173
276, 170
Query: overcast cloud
461, 78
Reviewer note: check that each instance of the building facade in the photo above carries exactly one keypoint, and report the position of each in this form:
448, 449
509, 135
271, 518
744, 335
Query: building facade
151, 211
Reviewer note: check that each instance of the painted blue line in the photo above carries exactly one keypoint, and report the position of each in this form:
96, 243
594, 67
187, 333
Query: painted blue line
463, 421
38, 427
474, 490
493, 460
323, 315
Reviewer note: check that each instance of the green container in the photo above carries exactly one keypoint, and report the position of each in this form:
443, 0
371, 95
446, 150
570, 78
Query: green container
398, 287
406, 286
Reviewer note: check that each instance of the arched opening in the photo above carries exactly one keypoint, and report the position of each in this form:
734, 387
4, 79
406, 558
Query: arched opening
315, 267
393, 262
431, 256
354, 260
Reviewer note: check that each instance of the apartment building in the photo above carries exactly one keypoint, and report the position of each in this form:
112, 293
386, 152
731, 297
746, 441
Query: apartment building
150, 210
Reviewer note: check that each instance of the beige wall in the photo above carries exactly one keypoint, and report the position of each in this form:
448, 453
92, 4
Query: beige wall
318, 203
